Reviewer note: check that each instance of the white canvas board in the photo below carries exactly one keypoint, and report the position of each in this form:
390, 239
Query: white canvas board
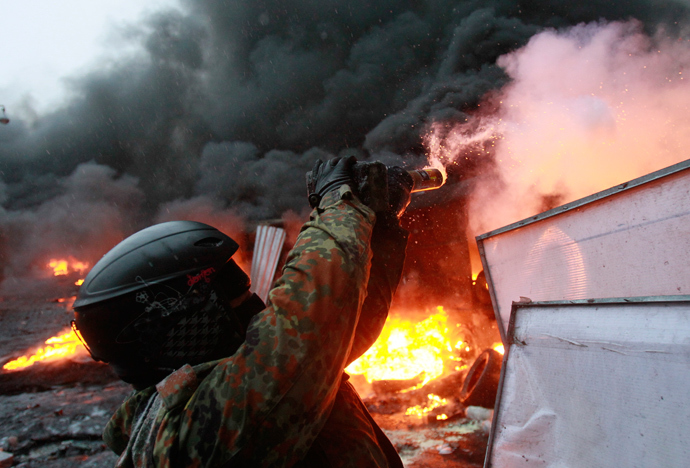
595, 385
632, 240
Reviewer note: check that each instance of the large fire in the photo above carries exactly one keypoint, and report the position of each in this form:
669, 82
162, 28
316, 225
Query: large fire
412, 353
407, 349
58, 347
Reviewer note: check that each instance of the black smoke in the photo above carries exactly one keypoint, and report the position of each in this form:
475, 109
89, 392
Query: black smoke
229, 103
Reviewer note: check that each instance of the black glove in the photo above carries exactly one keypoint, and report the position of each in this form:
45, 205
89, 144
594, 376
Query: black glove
400, 186
328, 176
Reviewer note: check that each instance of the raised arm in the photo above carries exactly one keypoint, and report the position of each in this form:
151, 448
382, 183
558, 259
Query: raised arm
388, 244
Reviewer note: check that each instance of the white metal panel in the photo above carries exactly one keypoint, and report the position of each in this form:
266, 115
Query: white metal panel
267, 248
595, 385
631, 240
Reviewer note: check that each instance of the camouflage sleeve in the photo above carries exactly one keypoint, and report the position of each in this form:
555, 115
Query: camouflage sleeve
388, 244
265, 405
117, 432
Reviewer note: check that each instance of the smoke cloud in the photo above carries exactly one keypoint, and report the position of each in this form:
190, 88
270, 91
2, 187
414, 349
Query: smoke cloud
586, 109
226, 105
89, 216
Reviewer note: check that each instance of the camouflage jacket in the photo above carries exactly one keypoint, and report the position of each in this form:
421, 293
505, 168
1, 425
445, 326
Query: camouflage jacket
282, 393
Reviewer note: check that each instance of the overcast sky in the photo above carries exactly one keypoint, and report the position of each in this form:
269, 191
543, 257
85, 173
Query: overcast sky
47, 41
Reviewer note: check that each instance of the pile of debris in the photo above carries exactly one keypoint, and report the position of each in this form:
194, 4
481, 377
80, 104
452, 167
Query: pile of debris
443, 423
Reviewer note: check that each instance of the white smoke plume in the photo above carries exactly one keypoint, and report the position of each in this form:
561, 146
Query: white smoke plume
588, 108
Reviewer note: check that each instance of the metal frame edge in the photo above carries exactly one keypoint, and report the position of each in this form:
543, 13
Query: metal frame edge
499, 392
632, 300
492, 293
665, 172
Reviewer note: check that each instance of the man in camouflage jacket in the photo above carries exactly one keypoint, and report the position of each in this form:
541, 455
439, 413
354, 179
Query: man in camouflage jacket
282, 399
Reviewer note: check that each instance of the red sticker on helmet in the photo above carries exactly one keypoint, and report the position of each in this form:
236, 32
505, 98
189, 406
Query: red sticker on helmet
203, 275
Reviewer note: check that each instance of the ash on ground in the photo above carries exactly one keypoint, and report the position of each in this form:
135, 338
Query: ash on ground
52, 414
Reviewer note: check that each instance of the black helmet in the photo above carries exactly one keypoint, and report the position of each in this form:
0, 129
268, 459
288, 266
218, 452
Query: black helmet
160, 299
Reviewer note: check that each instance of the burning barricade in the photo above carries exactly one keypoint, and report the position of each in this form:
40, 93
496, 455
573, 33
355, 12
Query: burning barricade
426, 368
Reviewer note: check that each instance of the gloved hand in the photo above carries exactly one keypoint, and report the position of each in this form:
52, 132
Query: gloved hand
400, 186
328, 176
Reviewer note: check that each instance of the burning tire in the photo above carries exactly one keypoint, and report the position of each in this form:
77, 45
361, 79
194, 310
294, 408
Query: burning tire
481, 383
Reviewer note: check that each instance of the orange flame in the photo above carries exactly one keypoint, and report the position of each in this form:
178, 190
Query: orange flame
498, 347
59, 267
66, 266
60, 346
420, 411
406, 349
